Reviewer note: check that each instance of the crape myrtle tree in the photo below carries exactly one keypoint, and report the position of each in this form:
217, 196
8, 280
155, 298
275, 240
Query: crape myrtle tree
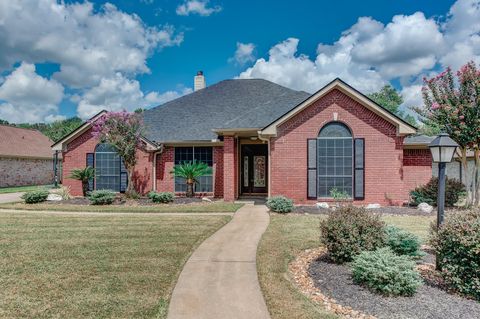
123, 130
452, 104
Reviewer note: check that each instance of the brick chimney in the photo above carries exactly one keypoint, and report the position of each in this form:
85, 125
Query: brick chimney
199, 81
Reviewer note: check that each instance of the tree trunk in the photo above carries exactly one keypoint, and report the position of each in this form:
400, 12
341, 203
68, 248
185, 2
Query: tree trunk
130, 187
467, 179
189, 192
84, 188
477, 177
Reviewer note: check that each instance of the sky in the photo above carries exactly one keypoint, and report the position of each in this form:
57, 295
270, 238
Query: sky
64, 58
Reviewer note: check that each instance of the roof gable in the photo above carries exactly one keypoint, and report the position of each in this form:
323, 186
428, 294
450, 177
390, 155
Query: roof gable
403, 128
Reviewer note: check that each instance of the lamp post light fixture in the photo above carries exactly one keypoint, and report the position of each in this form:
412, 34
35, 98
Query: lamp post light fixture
442, 149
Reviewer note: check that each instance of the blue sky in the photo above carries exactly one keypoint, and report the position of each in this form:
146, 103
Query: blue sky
59, 59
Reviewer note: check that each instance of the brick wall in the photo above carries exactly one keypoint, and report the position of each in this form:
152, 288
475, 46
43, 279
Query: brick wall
383, 150
75, 157
230, 169
417, 157
22, 172
165, 163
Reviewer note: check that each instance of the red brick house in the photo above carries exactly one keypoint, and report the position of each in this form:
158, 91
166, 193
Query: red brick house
263, 139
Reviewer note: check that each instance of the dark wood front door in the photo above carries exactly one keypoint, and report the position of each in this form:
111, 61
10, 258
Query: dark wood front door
254, 173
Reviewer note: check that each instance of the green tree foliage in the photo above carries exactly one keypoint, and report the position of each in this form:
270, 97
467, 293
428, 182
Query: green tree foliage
391, 100
84, 175
191, 171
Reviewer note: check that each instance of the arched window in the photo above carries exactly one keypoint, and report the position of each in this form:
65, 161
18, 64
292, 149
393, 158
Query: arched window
110, 171
334, 158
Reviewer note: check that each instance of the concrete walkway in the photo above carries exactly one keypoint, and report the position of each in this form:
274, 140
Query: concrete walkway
11, 197
219, 281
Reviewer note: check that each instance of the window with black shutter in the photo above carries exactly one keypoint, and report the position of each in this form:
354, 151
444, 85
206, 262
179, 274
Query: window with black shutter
91, 163
359, 168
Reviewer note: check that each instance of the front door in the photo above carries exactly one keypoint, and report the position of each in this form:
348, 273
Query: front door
254, 164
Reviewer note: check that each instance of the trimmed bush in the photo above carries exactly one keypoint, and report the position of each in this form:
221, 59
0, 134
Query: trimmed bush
428, 192
457, 242
385, 272
36, 196
280, 204
350, 230
164, 197
402, 242
101, 197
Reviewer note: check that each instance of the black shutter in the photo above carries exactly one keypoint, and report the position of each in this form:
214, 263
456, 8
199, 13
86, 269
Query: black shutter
312, 168
359, 186
91, 163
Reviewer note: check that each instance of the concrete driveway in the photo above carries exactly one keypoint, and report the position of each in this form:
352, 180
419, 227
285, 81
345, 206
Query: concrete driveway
10, 197
220, 278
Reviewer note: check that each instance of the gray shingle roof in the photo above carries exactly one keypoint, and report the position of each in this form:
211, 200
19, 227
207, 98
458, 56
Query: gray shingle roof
239, 103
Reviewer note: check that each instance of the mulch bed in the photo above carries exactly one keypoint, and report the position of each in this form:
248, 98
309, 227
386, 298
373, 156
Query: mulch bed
331, 285
387, 210
121, 200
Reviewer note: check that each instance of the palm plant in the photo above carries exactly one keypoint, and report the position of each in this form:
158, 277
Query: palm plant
191, 171
84, 175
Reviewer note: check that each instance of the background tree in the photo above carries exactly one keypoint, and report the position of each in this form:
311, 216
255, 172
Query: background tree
453, 106
54, 130
122, 130
390, 99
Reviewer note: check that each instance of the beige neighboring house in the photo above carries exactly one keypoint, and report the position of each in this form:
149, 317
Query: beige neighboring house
26, 157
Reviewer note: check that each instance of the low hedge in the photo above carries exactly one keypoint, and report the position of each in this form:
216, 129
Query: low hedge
457, 242
402, 242
101, 197
428, 193
349, 230
280, 204
36, 196
163, 197
385, 272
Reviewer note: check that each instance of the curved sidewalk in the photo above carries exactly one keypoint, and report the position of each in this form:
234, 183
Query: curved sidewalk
220, 278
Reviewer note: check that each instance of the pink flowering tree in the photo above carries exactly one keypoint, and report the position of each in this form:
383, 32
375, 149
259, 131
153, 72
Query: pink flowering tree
123, 130
452, 104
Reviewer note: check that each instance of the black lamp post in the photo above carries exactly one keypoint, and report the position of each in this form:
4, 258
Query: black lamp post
442, 149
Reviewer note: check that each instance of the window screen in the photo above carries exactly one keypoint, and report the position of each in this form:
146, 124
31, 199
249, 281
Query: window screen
200, 154
108, 169
335, 160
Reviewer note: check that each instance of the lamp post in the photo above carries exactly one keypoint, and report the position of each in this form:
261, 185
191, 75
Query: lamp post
442, 149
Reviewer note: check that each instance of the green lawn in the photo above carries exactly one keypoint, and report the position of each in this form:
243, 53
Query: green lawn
118, 266
160, 208
4, 190
287, 236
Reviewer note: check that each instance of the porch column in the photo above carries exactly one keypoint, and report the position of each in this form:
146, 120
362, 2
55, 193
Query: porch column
230, 186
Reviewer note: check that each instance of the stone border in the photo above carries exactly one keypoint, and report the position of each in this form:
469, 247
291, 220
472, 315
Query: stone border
301, 278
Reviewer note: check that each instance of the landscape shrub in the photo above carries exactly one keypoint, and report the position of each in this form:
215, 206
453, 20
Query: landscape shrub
36, 196
428, 193
101, 197
350, 230
280, 204
385, 272
457, 242
402, 242
164, 197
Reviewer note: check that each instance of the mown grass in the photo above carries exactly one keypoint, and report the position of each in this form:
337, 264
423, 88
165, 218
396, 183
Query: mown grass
94, 267
285, 238
160, 208
17, 189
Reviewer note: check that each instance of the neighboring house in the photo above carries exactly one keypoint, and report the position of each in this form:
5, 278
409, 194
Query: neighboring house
26, 157
263, 139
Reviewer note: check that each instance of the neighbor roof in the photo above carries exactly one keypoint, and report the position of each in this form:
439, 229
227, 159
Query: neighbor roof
229, 104
24, 143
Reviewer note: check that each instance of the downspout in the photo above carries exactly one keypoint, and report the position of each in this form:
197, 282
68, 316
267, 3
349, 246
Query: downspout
160, 151
265, 139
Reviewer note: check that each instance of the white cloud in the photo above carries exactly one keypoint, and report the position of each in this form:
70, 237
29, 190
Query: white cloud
284, 66
243, 54
199, 7
28, 97
88, 44
369, 54
120, 93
